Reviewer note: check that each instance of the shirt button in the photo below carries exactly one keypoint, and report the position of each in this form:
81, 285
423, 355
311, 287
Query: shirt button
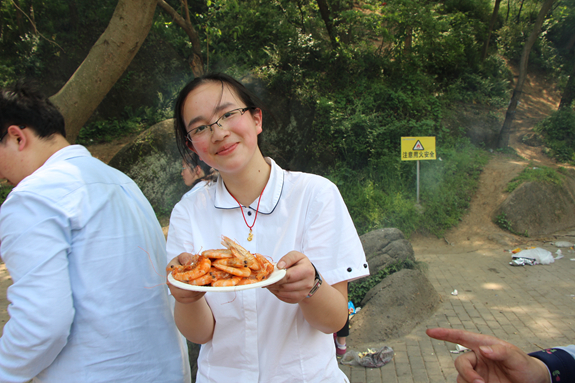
249, 213
349, 269
365, 265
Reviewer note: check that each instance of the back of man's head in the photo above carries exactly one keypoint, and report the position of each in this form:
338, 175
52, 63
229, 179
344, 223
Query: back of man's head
21, 104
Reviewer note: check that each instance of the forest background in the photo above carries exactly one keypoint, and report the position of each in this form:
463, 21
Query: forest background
364, 73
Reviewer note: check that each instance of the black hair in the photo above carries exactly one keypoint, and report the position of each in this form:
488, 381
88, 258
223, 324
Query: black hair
248, 98
23, 105
210, 174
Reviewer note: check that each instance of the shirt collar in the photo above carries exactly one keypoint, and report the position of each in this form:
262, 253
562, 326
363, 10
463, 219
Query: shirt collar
66, 153
270, 197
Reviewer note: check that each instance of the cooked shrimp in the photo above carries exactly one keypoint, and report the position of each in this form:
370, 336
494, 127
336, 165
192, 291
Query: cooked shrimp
219, 274
218, 253
266, 269
227, 282
205, 279
185, 273
237, 250
232, 262
240, 272
248, 280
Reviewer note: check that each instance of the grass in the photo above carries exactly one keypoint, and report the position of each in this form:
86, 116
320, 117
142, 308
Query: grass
358, 290
531, 173
384, 193
4, 191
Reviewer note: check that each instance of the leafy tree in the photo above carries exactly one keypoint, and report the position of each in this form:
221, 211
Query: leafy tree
569, 91
490, 29
197, 62
503, 140
107, 60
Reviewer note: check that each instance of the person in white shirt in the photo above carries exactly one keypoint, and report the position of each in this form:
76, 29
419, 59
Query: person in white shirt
86, 255
281, 333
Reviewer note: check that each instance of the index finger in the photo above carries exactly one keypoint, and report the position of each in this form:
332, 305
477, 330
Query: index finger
465, 338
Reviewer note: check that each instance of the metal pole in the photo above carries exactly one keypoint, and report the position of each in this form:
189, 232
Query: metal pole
418, 182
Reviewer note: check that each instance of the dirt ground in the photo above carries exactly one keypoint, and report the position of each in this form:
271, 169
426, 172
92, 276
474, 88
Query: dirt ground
477, 229
540, 98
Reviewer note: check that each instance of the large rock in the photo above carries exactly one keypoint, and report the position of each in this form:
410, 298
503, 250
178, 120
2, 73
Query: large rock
537, 209
384, 247
392, 309
153, 161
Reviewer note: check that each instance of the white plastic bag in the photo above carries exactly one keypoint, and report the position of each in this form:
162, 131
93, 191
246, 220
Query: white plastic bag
541, 256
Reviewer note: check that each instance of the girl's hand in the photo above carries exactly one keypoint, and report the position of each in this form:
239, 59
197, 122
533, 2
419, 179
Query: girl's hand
299, 278
181, 295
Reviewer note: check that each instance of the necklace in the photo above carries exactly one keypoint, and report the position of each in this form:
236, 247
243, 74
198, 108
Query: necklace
250, 235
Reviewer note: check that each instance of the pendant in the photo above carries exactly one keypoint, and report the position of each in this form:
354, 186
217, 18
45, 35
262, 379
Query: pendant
250, 235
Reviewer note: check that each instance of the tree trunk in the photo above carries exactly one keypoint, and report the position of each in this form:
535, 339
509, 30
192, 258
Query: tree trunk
408, 41
569, 92
491, 26
196, 63
519, 13
503, 141
325, 15
107, 60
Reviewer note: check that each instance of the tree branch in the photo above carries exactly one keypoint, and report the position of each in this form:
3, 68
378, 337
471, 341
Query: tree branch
34, 26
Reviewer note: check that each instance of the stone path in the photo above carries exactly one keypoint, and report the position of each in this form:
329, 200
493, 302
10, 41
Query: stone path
531, 306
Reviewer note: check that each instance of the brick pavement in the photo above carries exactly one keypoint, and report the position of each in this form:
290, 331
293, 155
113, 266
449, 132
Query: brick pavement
531, 306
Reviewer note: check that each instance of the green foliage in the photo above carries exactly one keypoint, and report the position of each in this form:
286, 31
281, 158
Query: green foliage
358, 290
541, 174
4, 191
502, 221
448, 185
134, 121
383, 193
558, 131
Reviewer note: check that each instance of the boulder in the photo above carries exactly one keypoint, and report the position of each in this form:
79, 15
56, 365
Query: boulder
384, 247
538, 209
392, 309
153, 161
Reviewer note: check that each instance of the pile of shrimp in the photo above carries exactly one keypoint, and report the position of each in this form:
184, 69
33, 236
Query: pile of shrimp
232, 266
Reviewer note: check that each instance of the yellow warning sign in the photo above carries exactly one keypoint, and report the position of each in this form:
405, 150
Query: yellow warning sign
418, 148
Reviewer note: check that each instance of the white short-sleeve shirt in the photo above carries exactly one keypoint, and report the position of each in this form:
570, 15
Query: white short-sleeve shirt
258, 338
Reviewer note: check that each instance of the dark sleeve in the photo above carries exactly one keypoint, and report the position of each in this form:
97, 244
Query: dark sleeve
560, 363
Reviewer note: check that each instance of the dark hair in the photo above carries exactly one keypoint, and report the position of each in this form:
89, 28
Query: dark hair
248, 98
21, 104
210, 174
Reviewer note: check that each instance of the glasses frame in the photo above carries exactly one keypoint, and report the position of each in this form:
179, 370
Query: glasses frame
6, 133
217, 122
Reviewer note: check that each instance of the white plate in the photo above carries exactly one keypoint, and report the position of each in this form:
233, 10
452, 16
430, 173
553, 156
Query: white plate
277, 275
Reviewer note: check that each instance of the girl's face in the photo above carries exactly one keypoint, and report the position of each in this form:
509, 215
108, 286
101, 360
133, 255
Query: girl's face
230, 148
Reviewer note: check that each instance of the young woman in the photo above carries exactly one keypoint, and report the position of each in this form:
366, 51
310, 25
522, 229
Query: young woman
282, 333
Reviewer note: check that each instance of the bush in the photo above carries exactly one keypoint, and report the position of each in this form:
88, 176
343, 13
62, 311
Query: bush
4, 191
558, 131
535, 174
358, 290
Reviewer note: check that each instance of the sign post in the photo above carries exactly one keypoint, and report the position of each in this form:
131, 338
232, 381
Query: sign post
416, 149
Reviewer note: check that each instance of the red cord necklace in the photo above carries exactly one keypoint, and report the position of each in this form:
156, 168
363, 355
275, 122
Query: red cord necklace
250, 235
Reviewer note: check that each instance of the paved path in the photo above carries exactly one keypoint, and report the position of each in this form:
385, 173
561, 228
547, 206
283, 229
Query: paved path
531, 306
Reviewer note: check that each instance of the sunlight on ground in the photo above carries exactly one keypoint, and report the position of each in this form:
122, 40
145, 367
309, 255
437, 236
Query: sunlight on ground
492, 286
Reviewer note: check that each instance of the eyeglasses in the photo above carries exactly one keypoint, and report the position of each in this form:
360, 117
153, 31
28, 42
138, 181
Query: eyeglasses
225, 121
6, 132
